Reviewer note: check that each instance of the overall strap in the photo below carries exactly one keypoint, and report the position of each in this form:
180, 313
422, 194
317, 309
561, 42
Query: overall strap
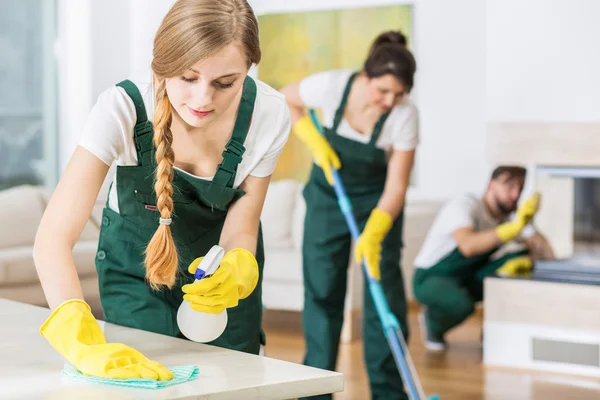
143, 132
378, 128
339, 113
232, 156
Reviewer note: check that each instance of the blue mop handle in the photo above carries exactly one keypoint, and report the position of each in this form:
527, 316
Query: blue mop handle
388, 319
391, 327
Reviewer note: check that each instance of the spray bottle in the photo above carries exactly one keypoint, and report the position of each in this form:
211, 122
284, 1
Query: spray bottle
195, 325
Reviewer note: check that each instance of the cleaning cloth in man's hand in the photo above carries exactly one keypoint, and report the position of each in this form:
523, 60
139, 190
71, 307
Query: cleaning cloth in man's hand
182, 374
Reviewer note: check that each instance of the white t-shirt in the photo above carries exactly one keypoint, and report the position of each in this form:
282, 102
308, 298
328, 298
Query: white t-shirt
108, 133
463, 211
325, 90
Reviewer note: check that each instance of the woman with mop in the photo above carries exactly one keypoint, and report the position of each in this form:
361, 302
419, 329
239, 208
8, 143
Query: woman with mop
195, 140
371, 133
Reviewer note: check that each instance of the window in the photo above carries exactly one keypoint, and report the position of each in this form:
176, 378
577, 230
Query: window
28, 96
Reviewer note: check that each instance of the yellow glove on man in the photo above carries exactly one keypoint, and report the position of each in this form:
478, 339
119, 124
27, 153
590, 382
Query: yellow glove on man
324, 156
510, 230
368, 245
516, 267
234, 280
74, 332
529, 208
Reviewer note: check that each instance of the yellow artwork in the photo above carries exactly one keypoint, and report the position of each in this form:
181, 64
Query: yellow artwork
296, 45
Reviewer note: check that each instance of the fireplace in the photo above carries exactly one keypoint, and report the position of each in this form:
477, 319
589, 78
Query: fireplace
582, 265
555, 311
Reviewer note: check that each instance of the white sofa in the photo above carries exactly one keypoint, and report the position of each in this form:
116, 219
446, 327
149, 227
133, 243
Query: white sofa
21, 209
283, 223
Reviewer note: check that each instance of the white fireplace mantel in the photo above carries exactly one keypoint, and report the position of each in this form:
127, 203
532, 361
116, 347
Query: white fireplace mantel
553, 144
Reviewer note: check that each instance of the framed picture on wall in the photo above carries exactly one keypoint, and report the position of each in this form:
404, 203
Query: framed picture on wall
297, 44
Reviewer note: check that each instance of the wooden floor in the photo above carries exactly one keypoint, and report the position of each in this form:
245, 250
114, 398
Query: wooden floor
456, 375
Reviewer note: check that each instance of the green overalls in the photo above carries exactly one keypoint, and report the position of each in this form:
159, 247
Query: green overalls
451, 288
326, 252
200, 209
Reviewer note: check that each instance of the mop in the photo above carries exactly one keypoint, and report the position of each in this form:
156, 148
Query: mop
391, 326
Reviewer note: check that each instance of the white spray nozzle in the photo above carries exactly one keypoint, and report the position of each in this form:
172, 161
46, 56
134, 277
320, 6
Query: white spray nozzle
210, 262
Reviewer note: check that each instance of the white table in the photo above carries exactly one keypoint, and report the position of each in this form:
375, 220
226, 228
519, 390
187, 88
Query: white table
31, 369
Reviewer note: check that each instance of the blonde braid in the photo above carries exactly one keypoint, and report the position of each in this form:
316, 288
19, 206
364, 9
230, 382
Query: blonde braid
161, 254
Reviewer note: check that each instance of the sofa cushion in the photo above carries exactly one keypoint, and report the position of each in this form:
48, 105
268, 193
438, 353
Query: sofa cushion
21, 209
277, 213
283, 265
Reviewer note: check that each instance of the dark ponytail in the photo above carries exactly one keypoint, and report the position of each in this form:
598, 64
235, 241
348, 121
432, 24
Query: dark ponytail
388, 37
389, 55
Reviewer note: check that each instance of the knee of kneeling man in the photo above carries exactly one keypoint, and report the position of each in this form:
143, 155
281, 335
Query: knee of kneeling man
463, 309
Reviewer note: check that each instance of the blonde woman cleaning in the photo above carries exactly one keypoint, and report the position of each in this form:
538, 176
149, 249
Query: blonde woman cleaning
195, 141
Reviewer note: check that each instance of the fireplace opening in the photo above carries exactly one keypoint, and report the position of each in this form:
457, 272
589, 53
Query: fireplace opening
583, 266
586, 217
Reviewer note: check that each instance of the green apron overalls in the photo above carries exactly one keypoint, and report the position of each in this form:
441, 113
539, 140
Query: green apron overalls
326, 252
200, 209
451, 288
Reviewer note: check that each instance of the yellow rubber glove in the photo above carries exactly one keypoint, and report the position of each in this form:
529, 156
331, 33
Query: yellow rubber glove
234, 280
74, 333
325, 157
529, 208
516, 267
368, 245
510, 230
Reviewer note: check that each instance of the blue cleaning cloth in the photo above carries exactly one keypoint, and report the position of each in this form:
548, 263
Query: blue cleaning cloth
182, 374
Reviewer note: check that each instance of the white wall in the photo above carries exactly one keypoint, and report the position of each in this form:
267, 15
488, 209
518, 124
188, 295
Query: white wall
146, 16
111, 27
92, 56
543, 60
74, 55
450, 93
